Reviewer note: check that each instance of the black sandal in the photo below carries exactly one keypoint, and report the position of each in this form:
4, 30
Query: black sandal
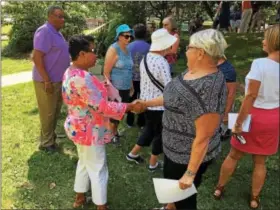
221, 189
257, 200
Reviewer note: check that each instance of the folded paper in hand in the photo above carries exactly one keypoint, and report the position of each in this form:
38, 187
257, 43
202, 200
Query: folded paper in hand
168, 191
232, 117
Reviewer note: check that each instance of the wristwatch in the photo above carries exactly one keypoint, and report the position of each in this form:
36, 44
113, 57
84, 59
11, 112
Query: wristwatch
190, 173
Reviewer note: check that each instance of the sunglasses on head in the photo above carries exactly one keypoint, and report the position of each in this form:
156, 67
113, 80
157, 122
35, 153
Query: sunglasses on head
127, 36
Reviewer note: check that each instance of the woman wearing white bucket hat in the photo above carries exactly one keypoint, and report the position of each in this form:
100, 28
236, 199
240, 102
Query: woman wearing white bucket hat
155, 74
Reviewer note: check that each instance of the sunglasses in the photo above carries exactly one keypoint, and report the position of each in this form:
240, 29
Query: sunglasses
127, 36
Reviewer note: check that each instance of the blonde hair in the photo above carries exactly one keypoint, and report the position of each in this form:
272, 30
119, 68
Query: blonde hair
271, 35
211, 41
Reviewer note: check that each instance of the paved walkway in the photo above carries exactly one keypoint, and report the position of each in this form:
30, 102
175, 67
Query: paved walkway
23, 77
13, 79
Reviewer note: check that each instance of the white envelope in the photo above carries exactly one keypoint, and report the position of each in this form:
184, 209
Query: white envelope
232, 117
168, 191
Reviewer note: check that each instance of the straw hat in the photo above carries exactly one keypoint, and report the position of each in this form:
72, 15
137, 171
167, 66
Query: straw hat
162, 40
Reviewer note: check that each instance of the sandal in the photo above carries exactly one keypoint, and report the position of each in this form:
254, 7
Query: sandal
80, 200
221, 189
257, 200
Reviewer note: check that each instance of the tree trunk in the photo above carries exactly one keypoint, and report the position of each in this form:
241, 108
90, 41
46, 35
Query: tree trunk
208, 9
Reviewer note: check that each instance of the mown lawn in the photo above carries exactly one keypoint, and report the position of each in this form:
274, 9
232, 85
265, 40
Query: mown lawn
15, 65
32, 179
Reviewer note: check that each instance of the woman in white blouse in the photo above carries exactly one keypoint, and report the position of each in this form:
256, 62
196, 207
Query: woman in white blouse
155, 65
262, 102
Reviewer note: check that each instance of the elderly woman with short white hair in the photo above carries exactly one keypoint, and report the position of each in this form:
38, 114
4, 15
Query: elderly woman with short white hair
194, 104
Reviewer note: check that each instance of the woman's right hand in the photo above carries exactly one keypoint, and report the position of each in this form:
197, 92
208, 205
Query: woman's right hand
136, 107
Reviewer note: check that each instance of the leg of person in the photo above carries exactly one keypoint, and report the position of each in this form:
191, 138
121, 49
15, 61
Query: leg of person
244, 21
58, 100
191, 202
130, 115
248, 19
96, 165
144, 140
258, 179
47, 112
157, 141
140, 117
253, 23
172, 170
227, 169
175, 171
82, 182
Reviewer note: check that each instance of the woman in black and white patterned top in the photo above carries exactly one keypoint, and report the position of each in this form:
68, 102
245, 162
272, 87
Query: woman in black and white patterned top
194, 104
159, 68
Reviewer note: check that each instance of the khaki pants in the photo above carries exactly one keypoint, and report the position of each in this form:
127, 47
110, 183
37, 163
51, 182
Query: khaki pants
49, 106
245, 20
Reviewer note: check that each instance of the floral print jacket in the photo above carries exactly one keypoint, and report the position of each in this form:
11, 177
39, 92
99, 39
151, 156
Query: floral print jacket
89, 110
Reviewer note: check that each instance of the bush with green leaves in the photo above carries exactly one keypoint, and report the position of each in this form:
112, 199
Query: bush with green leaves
28, 16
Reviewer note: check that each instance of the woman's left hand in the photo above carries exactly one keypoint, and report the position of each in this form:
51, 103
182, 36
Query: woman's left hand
237, 129
186, 181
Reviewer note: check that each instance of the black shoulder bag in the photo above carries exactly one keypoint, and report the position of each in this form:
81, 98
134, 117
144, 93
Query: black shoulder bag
152, 78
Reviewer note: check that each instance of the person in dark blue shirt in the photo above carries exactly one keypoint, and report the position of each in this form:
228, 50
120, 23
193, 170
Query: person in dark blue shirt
230, 76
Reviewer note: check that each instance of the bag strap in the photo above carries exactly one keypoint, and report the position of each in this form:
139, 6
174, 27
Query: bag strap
152, 78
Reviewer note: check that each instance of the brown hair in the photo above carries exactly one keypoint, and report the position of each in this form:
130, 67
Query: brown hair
271, 35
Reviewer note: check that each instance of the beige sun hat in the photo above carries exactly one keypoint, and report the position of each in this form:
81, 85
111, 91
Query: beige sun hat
162, 40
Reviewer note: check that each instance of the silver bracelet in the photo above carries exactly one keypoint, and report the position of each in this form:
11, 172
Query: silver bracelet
190, 173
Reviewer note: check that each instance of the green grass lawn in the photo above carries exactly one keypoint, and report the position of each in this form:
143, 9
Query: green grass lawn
15, 65
28, 173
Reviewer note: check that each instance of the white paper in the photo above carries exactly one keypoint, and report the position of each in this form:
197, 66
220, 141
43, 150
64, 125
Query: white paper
168, 191
232, 119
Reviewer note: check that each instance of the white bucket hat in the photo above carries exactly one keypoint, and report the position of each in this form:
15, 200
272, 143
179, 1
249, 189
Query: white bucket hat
162, 40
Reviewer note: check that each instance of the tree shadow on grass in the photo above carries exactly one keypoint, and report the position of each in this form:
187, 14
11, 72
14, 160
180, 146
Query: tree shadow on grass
32, 112
50, 178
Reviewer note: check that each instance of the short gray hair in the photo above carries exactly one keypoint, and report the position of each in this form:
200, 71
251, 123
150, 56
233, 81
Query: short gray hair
211, 41
172, 22
52, 8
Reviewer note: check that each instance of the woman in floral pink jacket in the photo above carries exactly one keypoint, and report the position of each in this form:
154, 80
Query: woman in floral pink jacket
87, 122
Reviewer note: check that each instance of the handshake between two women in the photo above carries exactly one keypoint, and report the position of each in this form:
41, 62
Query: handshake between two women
137, 106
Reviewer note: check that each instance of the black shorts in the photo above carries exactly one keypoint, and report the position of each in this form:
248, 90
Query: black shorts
152, 132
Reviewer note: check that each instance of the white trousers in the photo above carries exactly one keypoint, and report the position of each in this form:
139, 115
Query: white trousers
92, 168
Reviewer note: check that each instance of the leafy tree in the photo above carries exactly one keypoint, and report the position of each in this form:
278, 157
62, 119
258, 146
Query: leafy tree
29, 15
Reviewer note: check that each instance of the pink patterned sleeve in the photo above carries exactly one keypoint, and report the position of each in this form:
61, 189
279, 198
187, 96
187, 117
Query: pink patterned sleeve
91, 91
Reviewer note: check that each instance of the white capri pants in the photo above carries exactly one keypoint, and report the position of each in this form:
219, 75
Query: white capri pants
92, 168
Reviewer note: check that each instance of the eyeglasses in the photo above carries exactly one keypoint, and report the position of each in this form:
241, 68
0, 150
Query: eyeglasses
189, 47
91, 50
127, 36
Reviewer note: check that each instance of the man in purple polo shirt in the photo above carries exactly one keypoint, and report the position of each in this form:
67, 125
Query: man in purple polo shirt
51, 59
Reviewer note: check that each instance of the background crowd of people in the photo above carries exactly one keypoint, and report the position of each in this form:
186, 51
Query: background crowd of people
184, 117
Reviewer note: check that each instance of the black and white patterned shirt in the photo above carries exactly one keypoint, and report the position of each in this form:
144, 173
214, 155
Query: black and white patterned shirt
184, 102
160, 69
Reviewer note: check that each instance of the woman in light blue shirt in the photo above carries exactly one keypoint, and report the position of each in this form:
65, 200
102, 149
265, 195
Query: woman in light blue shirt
118, 68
